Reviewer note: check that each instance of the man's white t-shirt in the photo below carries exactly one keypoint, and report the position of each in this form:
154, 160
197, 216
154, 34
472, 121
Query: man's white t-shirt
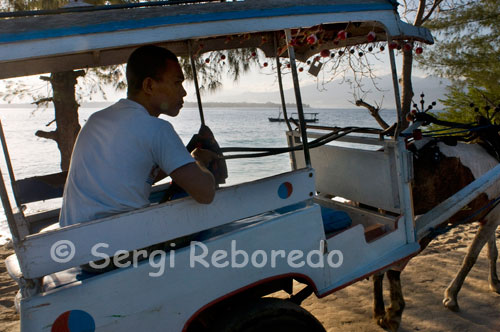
116, 157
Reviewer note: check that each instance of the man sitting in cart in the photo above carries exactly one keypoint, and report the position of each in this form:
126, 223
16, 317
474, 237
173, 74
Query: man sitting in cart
122, 150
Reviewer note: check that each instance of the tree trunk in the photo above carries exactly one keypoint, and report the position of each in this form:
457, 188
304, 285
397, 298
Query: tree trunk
66, 114
406, 86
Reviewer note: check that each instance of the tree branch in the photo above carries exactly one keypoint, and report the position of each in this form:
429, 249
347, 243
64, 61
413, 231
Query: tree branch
47, 134
374, 111
420, 13
43, 100
431, 11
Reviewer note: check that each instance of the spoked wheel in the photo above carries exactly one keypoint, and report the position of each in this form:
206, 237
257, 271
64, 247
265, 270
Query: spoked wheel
268, 315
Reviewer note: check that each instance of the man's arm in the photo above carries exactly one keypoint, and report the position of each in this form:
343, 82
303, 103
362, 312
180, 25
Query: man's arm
195, 179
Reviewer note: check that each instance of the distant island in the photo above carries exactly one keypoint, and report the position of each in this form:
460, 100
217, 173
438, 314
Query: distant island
103, 104
241, 104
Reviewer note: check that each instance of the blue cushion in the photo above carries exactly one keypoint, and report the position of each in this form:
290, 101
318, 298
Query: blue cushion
334, 220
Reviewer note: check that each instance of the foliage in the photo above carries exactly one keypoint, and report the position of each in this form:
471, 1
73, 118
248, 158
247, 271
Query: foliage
208, 66
467, 51
464, 105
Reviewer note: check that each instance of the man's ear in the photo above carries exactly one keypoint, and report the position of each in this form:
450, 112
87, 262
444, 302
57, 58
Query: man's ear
148, 85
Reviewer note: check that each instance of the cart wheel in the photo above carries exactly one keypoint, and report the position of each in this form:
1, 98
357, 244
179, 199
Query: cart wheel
268, 315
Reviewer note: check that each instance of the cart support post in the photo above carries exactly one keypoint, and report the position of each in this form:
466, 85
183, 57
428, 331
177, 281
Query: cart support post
7, 208
9, 164
298, 98
404, 165
280, 83
195, 80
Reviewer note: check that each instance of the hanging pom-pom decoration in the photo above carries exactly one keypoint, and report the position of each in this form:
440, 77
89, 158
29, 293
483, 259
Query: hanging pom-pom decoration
207, 60
341, 53
393, 45
419, 50
246, 36
254, 54
382, 48
317, 58
325, 53
312, 39
265, 64
301, 69
370, 49
371, 36
352, 51
361, 54
407, 47
342, 35
223, 57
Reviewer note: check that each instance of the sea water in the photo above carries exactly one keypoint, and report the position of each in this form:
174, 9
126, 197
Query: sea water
232, 127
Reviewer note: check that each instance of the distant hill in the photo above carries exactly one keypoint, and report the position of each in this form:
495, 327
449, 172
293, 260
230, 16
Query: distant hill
241, 104
329, 95
104, 104
336, 95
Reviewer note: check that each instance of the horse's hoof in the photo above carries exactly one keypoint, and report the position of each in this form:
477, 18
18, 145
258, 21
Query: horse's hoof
451, 304
377, 316
495, 287
388, 324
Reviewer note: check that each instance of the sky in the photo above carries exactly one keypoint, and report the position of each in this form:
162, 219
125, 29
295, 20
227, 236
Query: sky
255, 85
252, 85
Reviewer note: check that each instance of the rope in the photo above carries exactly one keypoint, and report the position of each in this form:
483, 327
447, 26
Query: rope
264, 152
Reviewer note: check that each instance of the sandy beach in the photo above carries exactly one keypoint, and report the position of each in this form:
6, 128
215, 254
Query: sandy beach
350, 309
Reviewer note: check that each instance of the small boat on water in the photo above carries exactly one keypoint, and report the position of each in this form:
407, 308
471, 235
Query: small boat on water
308, 117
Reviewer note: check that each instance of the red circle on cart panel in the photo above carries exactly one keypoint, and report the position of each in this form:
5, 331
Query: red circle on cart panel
74, 321
285, 190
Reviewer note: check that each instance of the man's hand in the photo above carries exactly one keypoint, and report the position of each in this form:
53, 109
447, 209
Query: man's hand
195, 178
204, 156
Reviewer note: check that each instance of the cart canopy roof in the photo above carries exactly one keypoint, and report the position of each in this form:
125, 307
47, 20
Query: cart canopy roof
41, 42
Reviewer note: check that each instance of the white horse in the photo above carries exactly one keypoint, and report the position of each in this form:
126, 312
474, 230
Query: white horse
440, 171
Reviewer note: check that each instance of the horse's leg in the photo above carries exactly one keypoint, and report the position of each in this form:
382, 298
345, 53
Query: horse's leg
392, 318
493, 256
378, 297
482, 236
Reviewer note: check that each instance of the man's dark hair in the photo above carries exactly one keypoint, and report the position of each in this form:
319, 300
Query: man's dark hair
147, 61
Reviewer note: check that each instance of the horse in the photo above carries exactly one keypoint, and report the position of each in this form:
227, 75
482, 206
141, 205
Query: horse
440, 170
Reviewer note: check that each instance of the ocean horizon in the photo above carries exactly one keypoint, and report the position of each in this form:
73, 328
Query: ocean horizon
239, 126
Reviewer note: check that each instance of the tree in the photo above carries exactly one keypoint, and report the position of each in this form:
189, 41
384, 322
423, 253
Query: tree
467, 51
418, 13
